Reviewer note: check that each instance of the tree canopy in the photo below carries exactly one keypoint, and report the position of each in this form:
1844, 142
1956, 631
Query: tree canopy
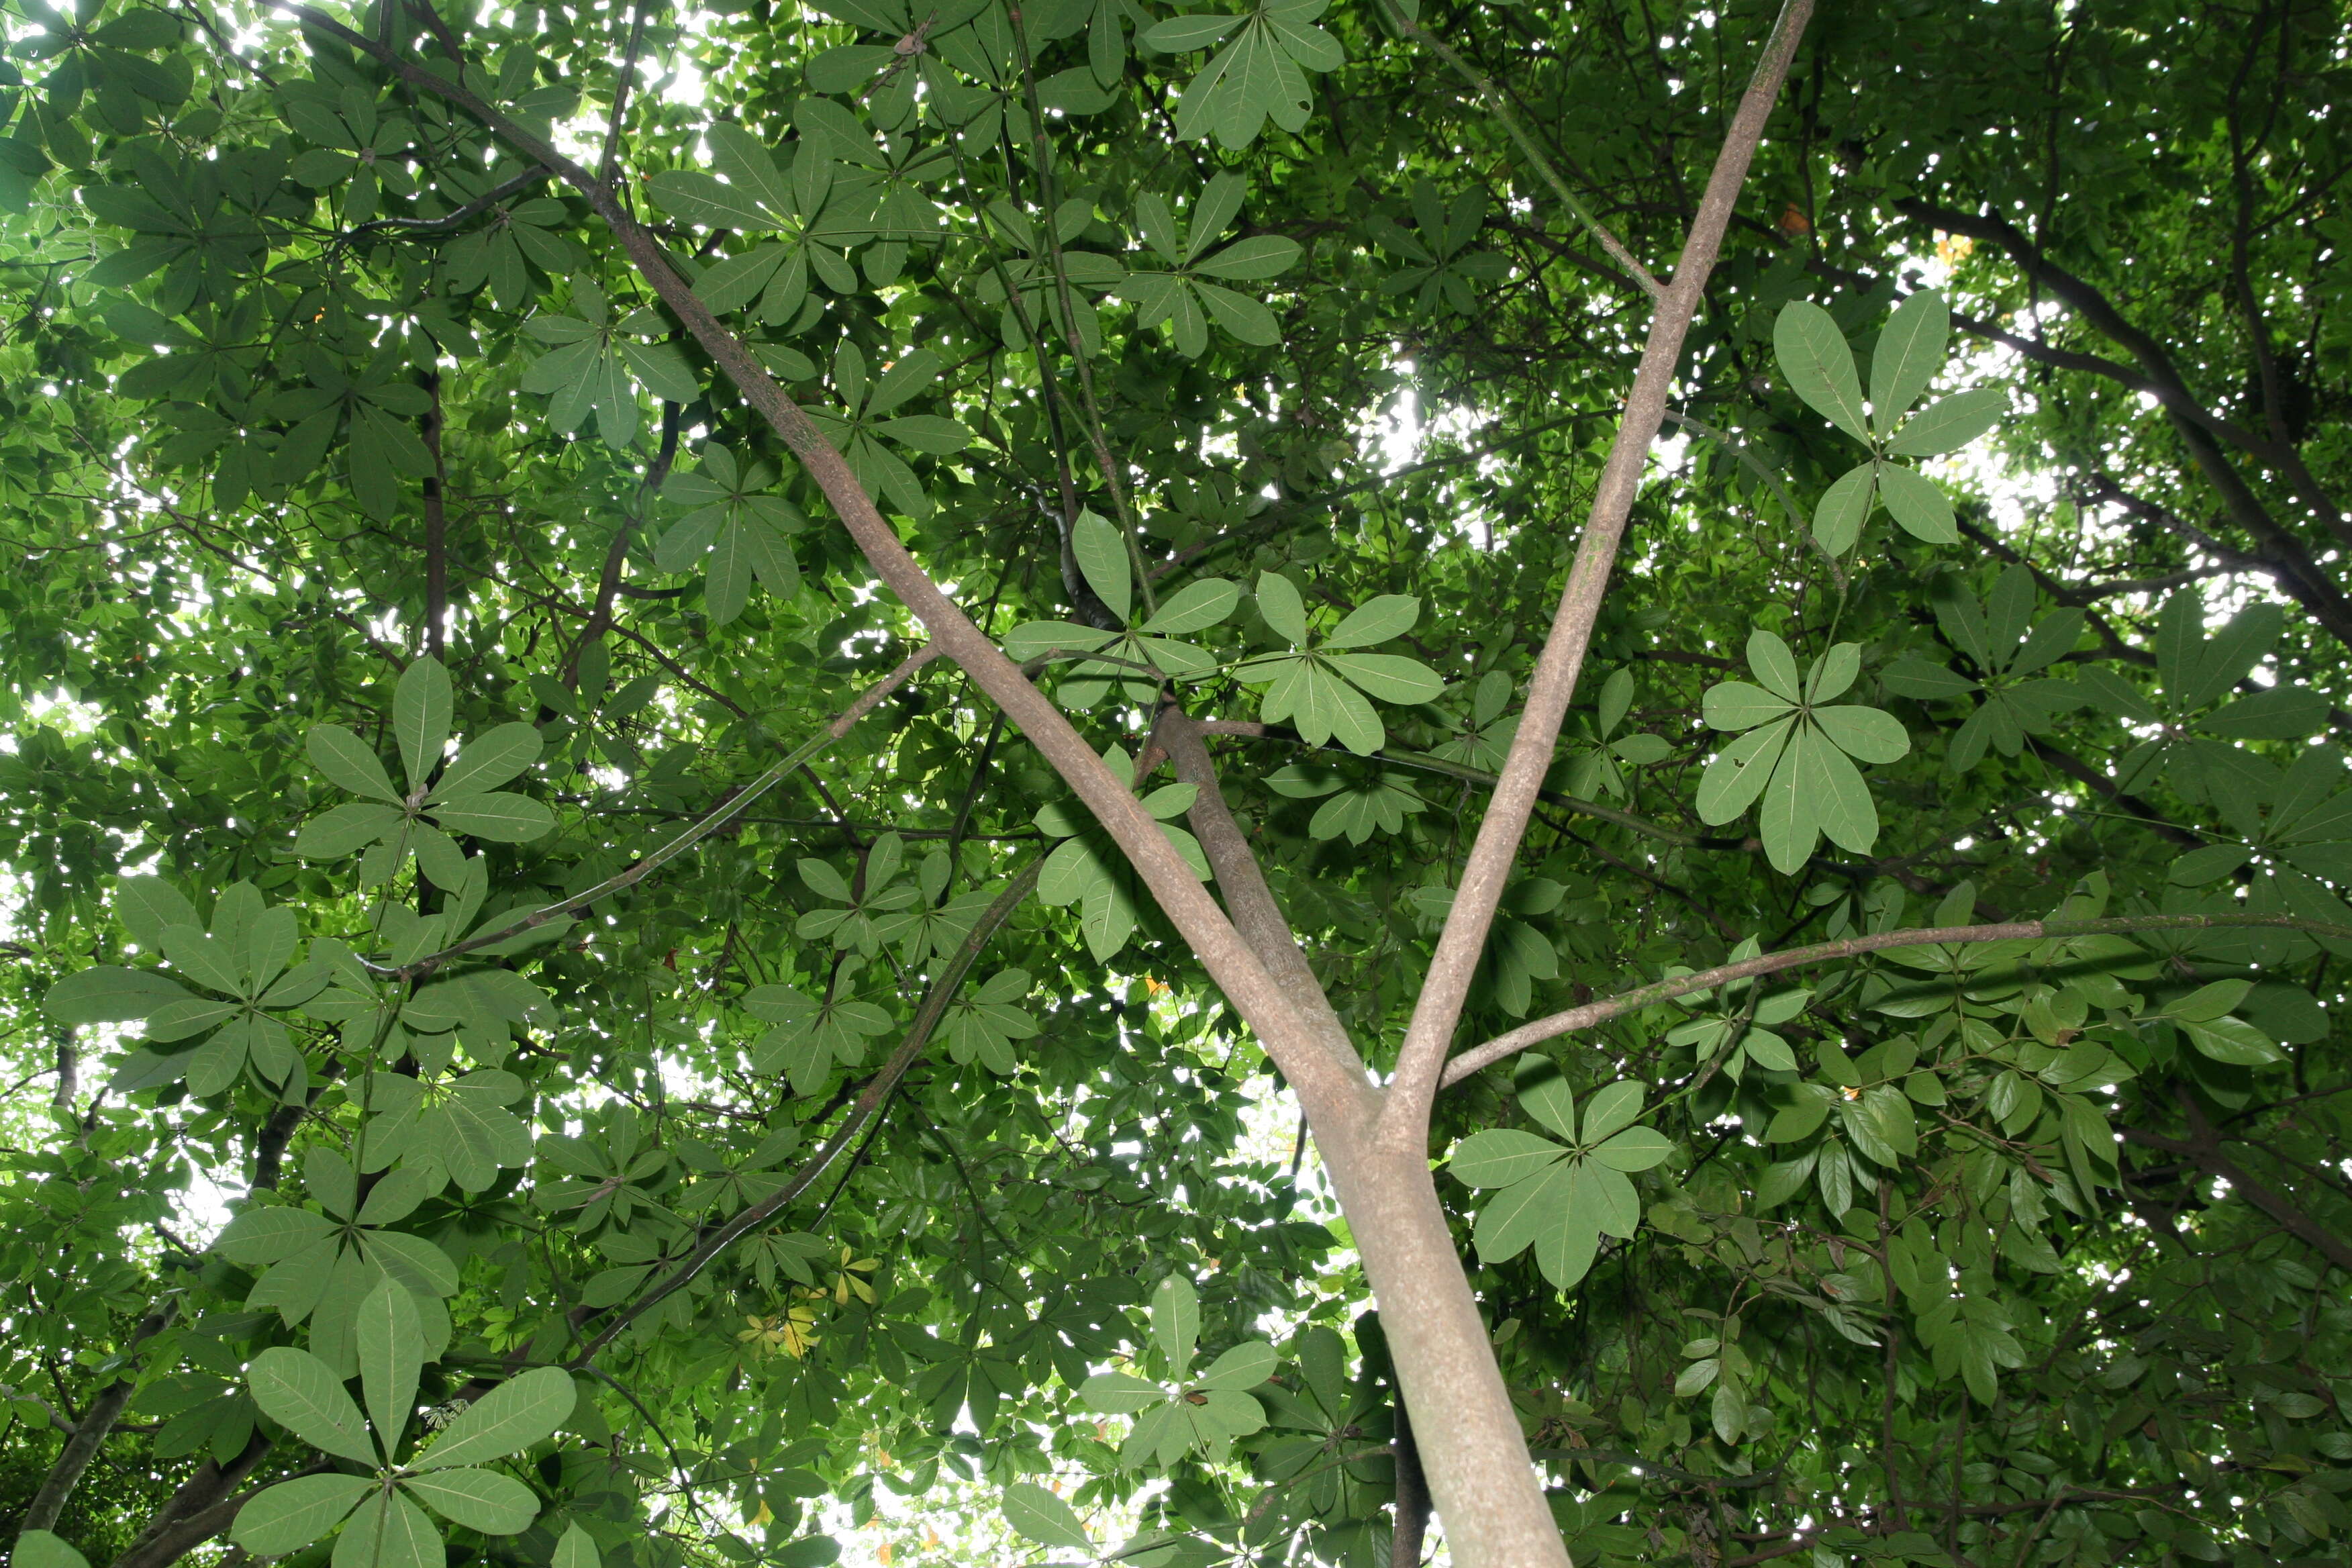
1066, 780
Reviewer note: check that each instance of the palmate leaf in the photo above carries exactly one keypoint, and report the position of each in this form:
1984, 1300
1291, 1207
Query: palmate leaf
1257, 75
1559, 1201
387, 1531
1911, 349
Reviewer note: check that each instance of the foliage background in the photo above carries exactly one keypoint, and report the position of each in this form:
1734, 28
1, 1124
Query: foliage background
304, 384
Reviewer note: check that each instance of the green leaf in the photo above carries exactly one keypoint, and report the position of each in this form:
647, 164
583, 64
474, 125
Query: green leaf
1951, 424
1101, 551
1388, 677
1181, 34
487, 761
1845, 507
1819, 365
2232, 1040
421, 707
149, 906
509, 1418
1034, 1512
2210, 1002
498, 817
1636, 1149
1514, 1217
1176, 1320
388, 1531
1500, 1156
1911, 348
1774, 664
1918, 503
1119, 1393
109, 994
1544, 1094
1740, 771
1868, 734
1279, 603
1245, 1365
1191, 607
391, 1354
268, 1235
345, 829
475, 1500
1261, 256
1836, 799
292, 1514
1611, 1108
1734, 705
577, 1549
349, 762
1376, 621
42, 1548
301, 1394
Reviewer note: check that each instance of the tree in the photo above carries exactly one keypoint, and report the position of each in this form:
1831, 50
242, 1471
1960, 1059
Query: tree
717, 712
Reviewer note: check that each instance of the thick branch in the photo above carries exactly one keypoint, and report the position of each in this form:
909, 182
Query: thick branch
1405, 1121
91, 1432
1248, 899
2200, 428
1634, 1001
1236, 971
205, 1504
1412, 1495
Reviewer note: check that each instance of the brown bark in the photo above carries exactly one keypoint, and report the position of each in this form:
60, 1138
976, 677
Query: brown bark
2203, 1148
93, 1430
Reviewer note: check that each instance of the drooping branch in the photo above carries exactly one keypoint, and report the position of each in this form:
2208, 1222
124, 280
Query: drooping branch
1634, 1001
1405, 1121
862, 1110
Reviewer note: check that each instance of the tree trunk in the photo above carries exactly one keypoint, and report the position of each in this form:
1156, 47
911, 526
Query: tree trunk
1477, 1463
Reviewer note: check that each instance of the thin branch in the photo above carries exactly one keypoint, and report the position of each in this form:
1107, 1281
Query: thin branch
1634, 1001
610, 163
864, 1109
1404, 1120
1252, 904
2203, 1145
1499, 106
437, 524
608, 584
709, 822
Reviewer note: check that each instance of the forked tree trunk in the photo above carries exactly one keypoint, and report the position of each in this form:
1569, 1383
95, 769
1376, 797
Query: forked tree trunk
1374, 1142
